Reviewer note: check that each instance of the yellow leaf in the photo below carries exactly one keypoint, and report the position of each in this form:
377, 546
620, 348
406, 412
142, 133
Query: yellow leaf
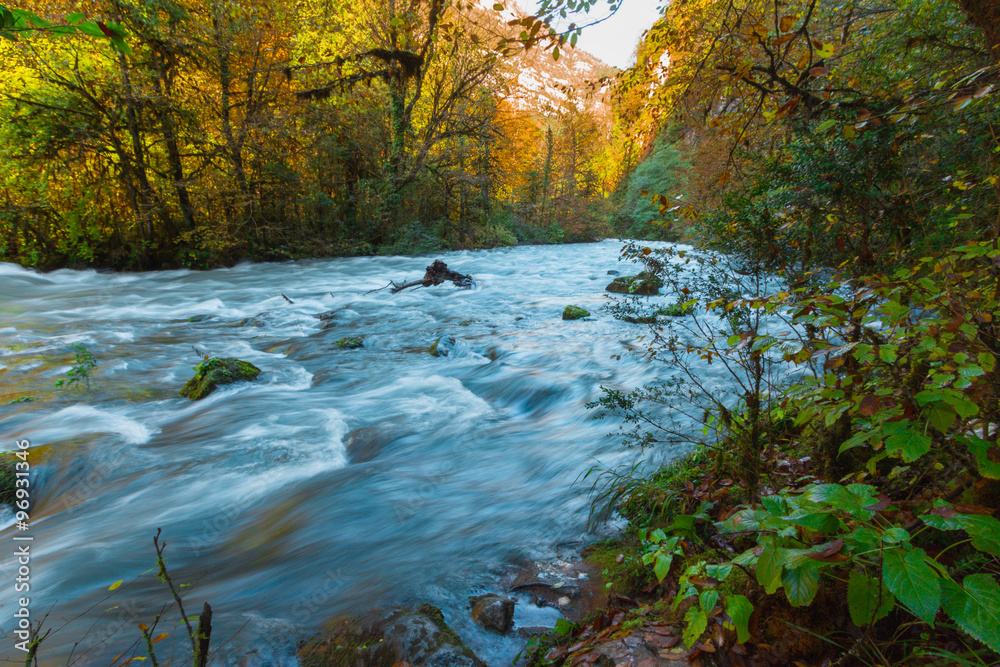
786, 23
803, 62
826, 50
114, 586
849, 132
160, 637
143, 627
961, 185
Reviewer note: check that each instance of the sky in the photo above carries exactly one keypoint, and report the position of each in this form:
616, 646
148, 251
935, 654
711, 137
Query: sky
614, 40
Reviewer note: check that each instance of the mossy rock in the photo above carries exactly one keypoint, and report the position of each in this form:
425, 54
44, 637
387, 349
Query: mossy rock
384, 638
640, 319
8, 478
350, 343
216, 371
644, 284
574, 313
442, 347
36, 456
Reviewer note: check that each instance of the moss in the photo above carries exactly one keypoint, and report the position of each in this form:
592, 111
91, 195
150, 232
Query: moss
350, 343
632, 624
442, 346
216, 371
629, 576
640, 319
574, 313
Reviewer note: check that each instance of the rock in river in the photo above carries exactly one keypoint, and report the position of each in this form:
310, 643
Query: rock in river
644, 284
384, 638
574, 313
443, 346
211, 373
493, 612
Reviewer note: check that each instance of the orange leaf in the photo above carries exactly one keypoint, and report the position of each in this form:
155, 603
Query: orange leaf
818, 71
786, 23
160, 637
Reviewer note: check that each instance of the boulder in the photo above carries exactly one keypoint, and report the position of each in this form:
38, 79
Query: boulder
493, 612
216, 371
443, 346
574, 313
612, 272
384, 638
644, 284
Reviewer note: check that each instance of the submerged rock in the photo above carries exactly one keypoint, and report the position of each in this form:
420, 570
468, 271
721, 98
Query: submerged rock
199, 318
443, 346
493, 612
385, 638
350, 343
644, 284
216, 371
574, 313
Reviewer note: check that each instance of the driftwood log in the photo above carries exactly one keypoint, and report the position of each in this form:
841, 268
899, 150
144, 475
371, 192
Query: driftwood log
436, 273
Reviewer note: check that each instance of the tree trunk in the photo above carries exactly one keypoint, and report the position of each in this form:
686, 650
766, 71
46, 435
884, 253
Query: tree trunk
148, 199
162, 81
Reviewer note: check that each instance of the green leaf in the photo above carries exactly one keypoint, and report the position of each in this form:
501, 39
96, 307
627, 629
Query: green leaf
697, 621
769, 569
913, 581
708, 600
887, 353
662, 567
940, 416
115, 585
867, 600
563, 627
801, 585
975, 607
984, 531
909, 443
980, 450
825, 125
739, 610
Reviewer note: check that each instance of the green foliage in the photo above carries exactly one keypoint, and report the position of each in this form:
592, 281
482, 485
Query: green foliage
82, 370
640, 216
350, 343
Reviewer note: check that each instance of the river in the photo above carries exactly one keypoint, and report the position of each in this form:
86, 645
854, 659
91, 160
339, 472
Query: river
339, 481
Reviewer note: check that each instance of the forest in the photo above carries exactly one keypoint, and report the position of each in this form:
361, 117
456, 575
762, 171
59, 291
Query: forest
217, 132
832, 166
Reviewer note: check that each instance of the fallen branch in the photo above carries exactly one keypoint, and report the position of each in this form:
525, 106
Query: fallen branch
436, 273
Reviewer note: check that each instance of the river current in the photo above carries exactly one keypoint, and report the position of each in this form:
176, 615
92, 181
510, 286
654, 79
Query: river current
340, 480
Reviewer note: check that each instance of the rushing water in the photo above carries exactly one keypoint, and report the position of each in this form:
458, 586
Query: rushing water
339, 481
